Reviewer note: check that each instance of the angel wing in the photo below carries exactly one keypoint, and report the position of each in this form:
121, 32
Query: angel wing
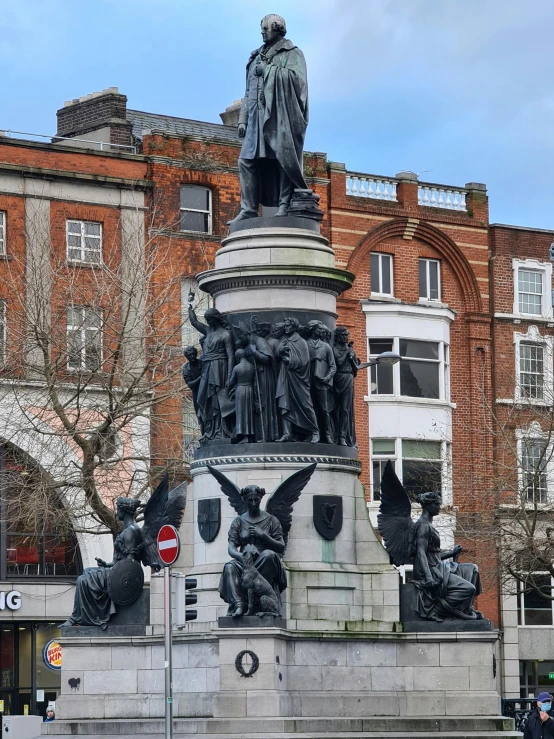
231, 490
285, 496
394, 520
163, 507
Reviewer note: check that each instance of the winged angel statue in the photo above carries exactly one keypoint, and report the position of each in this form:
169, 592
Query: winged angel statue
244, 579
99, 590
445, 590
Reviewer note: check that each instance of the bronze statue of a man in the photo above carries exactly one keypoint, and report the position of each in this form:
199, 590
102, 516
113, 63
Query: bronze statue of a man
272, 122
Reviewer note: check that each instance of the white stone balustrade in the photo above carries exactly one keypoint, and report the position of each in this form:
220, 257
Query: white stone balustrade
370, 186
435, 196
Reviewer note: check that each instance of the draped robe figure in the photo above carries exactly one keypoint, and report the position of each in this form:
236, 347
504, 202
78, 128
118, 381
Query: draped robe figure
293, 386
273, 121
267, 417
214, 404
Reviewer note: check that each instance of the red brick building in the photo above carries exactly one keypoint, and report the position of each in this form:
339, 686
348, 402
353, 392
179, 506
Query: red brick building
434, 283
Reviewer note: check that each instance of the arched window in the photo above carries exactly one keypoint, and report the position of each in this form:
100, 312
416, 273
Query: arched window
36, 536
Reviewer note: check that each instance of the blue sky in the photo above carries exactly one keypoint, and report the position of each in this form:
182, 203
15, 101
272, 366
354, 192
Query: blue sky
455, 90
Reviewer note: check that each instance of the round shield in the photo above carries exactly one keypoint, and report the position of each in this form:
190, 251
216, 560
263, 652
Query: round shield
125, 582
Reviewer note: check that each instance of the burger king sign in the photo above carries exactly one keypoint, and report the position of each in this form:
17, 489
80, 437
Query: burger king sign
52, 655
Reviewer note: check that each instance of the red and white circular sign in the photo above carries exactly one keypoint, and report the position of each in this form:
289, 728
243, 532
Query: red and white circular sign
168, 544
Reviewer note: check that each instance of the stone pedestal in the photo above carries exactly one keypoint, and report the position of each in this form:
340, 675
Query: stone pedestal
340, 651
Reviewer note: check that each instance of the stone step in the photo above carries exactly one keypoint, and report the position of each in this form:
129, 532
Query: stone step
300, 728
46, 729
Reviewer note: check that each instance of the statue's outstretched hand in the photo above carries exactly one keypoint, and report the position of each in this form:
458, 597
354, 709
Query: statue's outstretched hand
242, 130
456, 550
101, 562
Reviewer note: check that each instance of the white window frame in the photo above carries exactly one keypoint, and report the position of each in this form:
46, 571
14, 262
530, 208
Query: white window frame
533, 265
534, 433
533, 336
196, 210
381, 256
397, 458
3, 234
428, 298
521, 605
84, 249
83, 329
442, 362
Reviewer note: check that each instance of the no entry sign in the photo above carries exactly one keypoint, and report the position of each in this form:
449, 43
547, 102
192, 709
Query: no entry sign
168, 544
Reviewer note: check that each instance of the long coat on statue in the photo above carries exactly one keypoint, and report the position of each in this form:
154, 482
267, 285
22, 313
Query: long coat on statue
275, 131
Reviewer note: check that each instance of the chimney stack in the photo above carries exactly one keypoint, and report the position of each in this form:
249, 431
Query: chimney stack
100, 116
230, 115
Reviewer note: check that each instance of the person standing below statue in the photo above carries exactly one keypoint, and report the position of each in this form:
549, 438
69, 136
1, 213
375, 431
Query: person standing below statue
293, 386
272, 122
322, 371
192, 372
347, 369
218, 359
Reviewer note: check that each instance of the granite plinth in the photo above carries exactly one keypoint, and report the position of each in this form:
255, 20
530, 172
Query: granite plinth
276, 222
130, 620
251, 622
436, 627
412, 621
110, 630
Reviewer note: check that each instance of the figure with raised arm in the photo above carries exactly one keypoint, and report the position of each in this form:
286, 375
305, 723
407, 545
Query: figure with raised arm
218, 359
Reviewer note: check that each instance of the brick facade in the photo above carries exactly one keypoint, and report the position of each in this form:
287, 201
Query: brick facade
473, 285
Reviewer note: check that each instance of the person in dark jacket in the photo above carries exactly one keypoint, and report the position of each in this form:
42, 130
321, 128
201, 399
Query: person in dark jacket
540, 723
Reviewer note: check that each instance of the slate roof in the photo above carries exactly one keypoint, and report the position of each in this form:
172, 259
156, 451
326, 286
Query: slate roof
180, 126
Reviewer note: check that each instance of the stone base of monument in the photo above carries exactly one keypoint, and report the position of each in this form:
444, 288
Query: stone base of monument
271, 680
411, 621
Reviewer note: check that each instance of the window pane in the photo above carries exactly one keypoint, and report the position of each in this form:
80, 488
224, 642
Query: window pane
191, 221
74, 254
378, 466
383, 446
74, 240
381, 380
421, 449
378, 346
419, 379
7, 655
419, 349
386, 262
93, 257
434, 280
421, 477
375, 270
194, 197
423, 278
531, 370
530, 291
92, 229
24, 656
92, 242
74, 227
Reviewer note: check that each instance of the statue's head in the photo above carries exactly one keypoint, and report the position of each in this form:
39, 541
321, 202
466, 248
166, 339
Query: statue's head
278, 329
341, 334
214, 318
291, 325
263, 328
127, 505
431, 502
273, 28
252, 496
191, 353
239, 354
314, 328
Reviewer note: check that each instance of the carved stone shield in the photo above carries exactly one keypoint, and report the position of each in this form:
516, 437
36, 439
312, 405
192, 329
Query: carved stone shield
125, 581
209, 518
328, 515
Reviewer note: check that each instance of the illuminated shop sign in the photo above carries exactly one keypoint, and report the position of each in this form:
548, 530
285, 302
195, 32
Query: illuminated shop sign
11, 600
52, 655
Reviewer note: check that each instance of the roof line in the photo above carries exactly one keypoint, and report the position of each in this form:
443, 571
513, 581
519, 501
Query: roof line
178, 118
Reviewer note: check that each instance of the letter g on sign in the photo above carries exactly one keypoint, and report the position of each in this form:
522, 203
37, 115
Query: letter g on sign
13, 600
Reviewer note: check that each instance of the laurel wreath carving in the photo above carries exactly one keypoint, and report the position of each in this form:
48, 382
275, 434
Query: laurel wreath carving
253, 667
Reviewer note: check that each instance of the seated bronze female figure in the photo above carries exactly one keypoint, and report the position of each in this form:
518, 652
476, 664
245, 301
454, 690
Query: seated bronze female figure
445, 589
267, 531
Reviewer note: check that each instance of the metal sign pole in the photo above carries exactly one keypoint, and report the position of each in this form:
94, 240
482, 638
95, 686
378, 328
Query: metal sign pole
168, 645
